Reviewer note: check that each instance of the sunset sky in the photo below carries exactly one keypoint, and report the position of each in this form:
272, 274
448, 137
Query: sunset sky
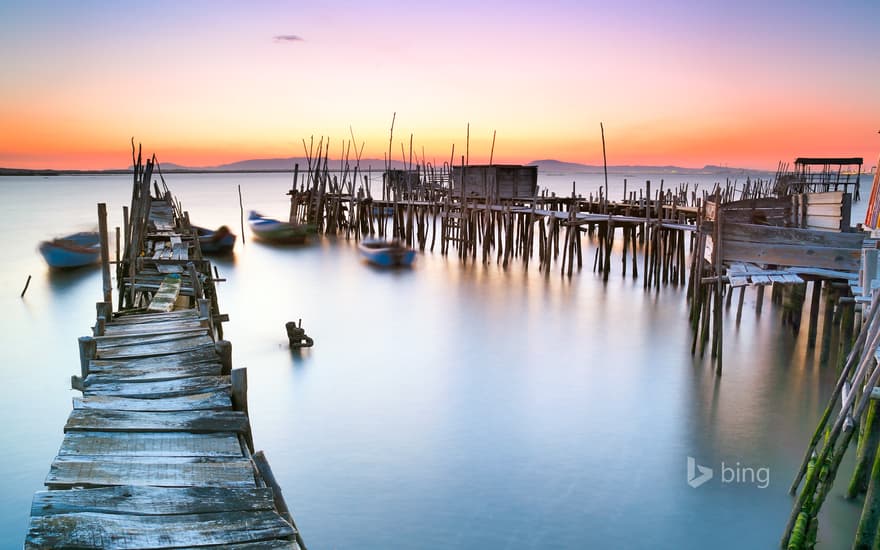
742, 83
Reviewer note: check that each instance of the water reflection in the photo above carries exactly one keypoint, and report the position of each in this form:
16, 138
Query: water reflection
64, 280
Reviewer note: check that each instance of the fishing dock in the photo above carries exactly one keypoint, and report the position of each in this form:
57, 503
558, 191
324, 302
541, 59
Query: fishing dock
785, 232
158, 451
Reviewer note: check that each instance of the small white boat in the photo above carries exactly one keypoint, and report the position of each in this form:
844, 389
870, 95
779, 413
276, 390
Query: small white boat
76, 250
387, 253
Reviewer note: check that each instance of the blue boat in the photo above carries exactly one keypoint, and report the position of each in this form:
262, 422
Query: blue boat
76, 250
221, 241
387, 253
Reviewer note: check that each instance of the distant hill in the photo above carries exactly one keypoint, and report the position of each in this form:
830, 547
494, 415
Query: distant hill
557, 166
549, 166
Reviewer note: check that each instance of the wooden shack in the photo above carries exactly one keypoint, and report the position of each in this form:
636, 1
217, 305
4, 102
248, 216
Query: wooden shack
822, 174
495, 181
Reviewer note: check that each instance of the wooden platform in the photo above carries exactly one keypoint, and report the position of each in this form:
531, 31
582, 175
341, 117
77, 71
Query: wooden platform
157, 452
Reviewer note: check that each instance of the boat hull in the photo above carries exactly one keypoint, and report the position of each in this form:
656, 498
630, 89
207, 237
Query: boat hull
61, 257
387, 255
218, 242
76, 250
275, 231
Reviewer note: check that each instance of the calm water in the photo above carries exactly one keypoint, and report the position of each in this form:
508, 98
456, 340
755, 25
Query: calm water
450, 405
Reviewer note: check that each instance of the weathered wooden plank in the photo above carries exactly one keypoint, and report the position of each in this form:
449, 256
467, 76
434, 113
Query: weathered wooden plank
165, 327
261, 545
217, 400
150, 444
97, 530
833, 210
844, 259
760, 280
200, 354
738, 281
142, 421
164, 388
766, 234
166, 296
101, 471
152, 501
108, 342
823, 222
128, 374
167, 347
829, 197
130, 318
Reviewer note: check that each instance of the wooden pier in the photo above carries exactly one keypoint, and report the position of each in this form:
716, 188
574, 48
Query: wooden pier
158, 451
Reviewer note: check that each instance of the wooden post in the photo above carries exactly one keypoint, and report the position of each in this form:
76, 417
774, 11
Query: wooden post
266, 473
865, 455
224, 350
105, 252
866, 534
88, 349
759, 300
814, 313
198, 293
238, 378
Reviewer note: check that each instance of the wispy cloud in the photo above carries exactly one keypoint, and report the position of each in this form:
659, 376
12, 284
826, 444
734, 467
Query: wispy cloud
287, 38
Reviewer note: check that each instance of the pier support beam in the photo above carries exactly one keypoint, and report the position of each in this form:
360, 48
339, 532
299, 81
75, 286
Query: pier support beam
224, 350
88, 350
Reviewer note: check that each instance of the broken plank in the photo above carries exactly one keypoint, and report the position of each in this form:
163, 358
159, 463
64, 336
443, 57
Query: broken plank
101, 471
218, 400
150, 444
152, 501
142, 421
163, 300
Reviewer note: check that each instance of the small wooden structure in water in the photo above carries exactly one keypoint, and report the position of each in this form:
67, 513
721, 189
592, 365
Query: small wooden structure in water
158, 451
495, 182
822, 174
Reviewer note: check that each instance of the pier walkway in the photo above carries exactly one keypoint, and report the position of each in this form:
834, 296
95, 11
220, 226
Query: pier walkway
158, 451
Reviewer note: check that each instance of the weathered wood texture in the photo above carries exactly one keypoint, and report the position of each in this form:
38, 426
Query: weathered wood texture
164, 471
98, 530
153, 454
152, 501
787, 246
150, 444
139, 421
214, 400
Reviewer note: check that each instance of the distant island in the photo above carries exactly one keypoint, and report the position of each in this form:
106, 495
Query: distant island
548, 166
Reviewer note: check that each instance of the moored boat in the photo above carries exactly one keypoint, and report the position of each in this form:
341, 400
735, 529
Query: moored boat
277, 231
76, 250
220, 241
387, 253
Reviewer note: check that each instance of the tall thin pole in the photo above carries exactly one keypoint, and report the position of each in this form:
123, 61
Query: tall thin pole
604, 160
492, 152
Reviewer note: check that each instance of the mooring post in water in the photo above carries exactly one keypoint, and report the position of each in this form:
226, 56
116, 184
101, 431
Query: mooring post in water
26, 284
